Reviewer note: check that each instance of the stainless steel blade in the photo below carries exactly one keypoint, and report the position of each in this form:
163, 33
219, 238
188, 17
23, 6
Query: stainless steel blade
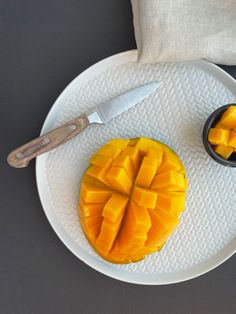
107, 111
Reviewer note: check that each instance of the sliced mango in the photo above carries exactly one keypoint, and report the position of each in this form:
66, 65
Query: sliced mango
218, 136
223, 136
224, 151
144, 144
228, 118
107, 235
98, 173
155, 153
221, 126
115, 207
232, 139
169, 181
119, 180
90, 221
147, 171
171, 202
162, 226
100, 161
135, 227
134, 155
125, 162
144, 197
170, 162
92, 232
89, 209
92, 194
131, 197
109, 151
93, 181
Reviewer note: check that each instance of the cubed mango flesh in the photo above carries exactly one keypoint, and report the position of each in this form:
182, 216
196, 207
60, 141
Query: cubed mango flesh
100, 161
232, 139
223, 136
119, 180
131, 197
115, 207
171, 202
218, 136
224, 151
98, 173
124, 161
169, 181
147, 171
92, 194
144, 197
228, 118
170, 162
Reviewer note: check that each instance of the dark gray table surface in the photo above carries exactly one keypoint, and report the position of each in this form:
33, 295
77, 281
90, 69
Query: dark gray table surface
43, 46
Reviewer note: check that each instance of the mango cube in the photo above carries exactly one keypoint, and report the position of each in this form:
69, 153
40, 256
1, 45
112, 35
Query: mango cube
98, 173
157, 154
144, 197
170, 181
232, 139
92, 194
134, 155
125, 162
228, 118
147, 171
119, 180
108, 234
109, 151
218, 136
100, 161
224, 151
162, 226
115, 207
171, 202
88, 209
219, 125
169, 163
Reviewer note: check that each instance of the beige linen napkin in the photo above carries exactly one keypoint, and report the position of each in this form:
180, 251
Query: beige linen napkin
177, 30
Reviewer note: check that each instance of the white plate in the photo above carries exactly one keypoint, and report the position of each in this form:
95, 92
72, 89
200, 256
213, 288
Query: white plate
175, 114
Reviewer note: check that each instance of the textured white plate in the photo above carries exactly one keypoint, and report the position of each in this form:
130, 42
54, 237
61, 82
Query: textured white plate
175, 114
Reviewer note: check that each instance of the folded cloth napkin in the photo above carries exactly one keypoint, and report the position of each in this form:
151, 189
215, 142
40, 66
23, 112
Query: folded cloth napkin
177, 30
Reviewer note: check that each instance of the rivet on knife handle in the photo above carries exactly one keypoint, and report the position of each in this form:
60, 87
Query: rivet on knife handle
20, 157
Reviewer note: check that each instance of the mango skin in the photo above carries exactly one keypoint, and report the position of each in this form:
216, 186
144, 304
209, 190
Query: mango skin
125, 221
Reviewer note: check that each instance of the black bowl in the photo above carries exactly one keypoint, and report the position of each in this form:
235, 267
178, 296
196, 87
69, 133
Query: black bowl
210, 123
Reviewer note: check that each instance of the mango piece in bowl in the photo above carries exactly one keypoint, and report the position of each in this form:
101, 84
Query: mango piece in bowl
223, 135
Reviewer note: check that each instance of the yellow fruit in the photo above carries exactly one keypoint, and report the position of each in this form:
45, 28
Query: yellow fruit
223, 135
218, 136
224, 151
147, 171
232, 139
131, 197
169, 181
228, 118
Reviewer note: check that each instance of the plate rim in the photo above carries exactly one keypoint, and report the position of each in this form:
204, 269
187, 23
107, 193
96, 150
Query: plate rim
214, 261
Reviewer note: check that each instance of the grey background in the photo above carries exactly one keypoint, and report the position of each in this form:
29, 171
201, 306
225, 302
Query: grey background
44, 44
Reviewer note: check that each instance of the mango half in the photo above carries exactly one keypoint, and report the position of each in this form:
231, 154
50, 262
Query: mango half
131, 198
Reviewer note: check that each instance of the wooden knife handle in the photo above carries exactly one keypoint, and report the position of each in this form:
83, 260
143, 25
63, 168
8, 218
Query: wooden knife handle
20, 157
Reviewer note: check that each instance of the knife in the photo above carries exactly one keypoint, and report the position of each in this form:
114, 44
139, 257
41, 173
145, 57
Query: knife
20, 157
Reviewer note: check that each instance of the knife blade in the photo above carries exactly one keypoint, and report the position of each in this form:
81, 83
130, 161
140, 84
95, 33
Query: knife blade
103, 113
109, 110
